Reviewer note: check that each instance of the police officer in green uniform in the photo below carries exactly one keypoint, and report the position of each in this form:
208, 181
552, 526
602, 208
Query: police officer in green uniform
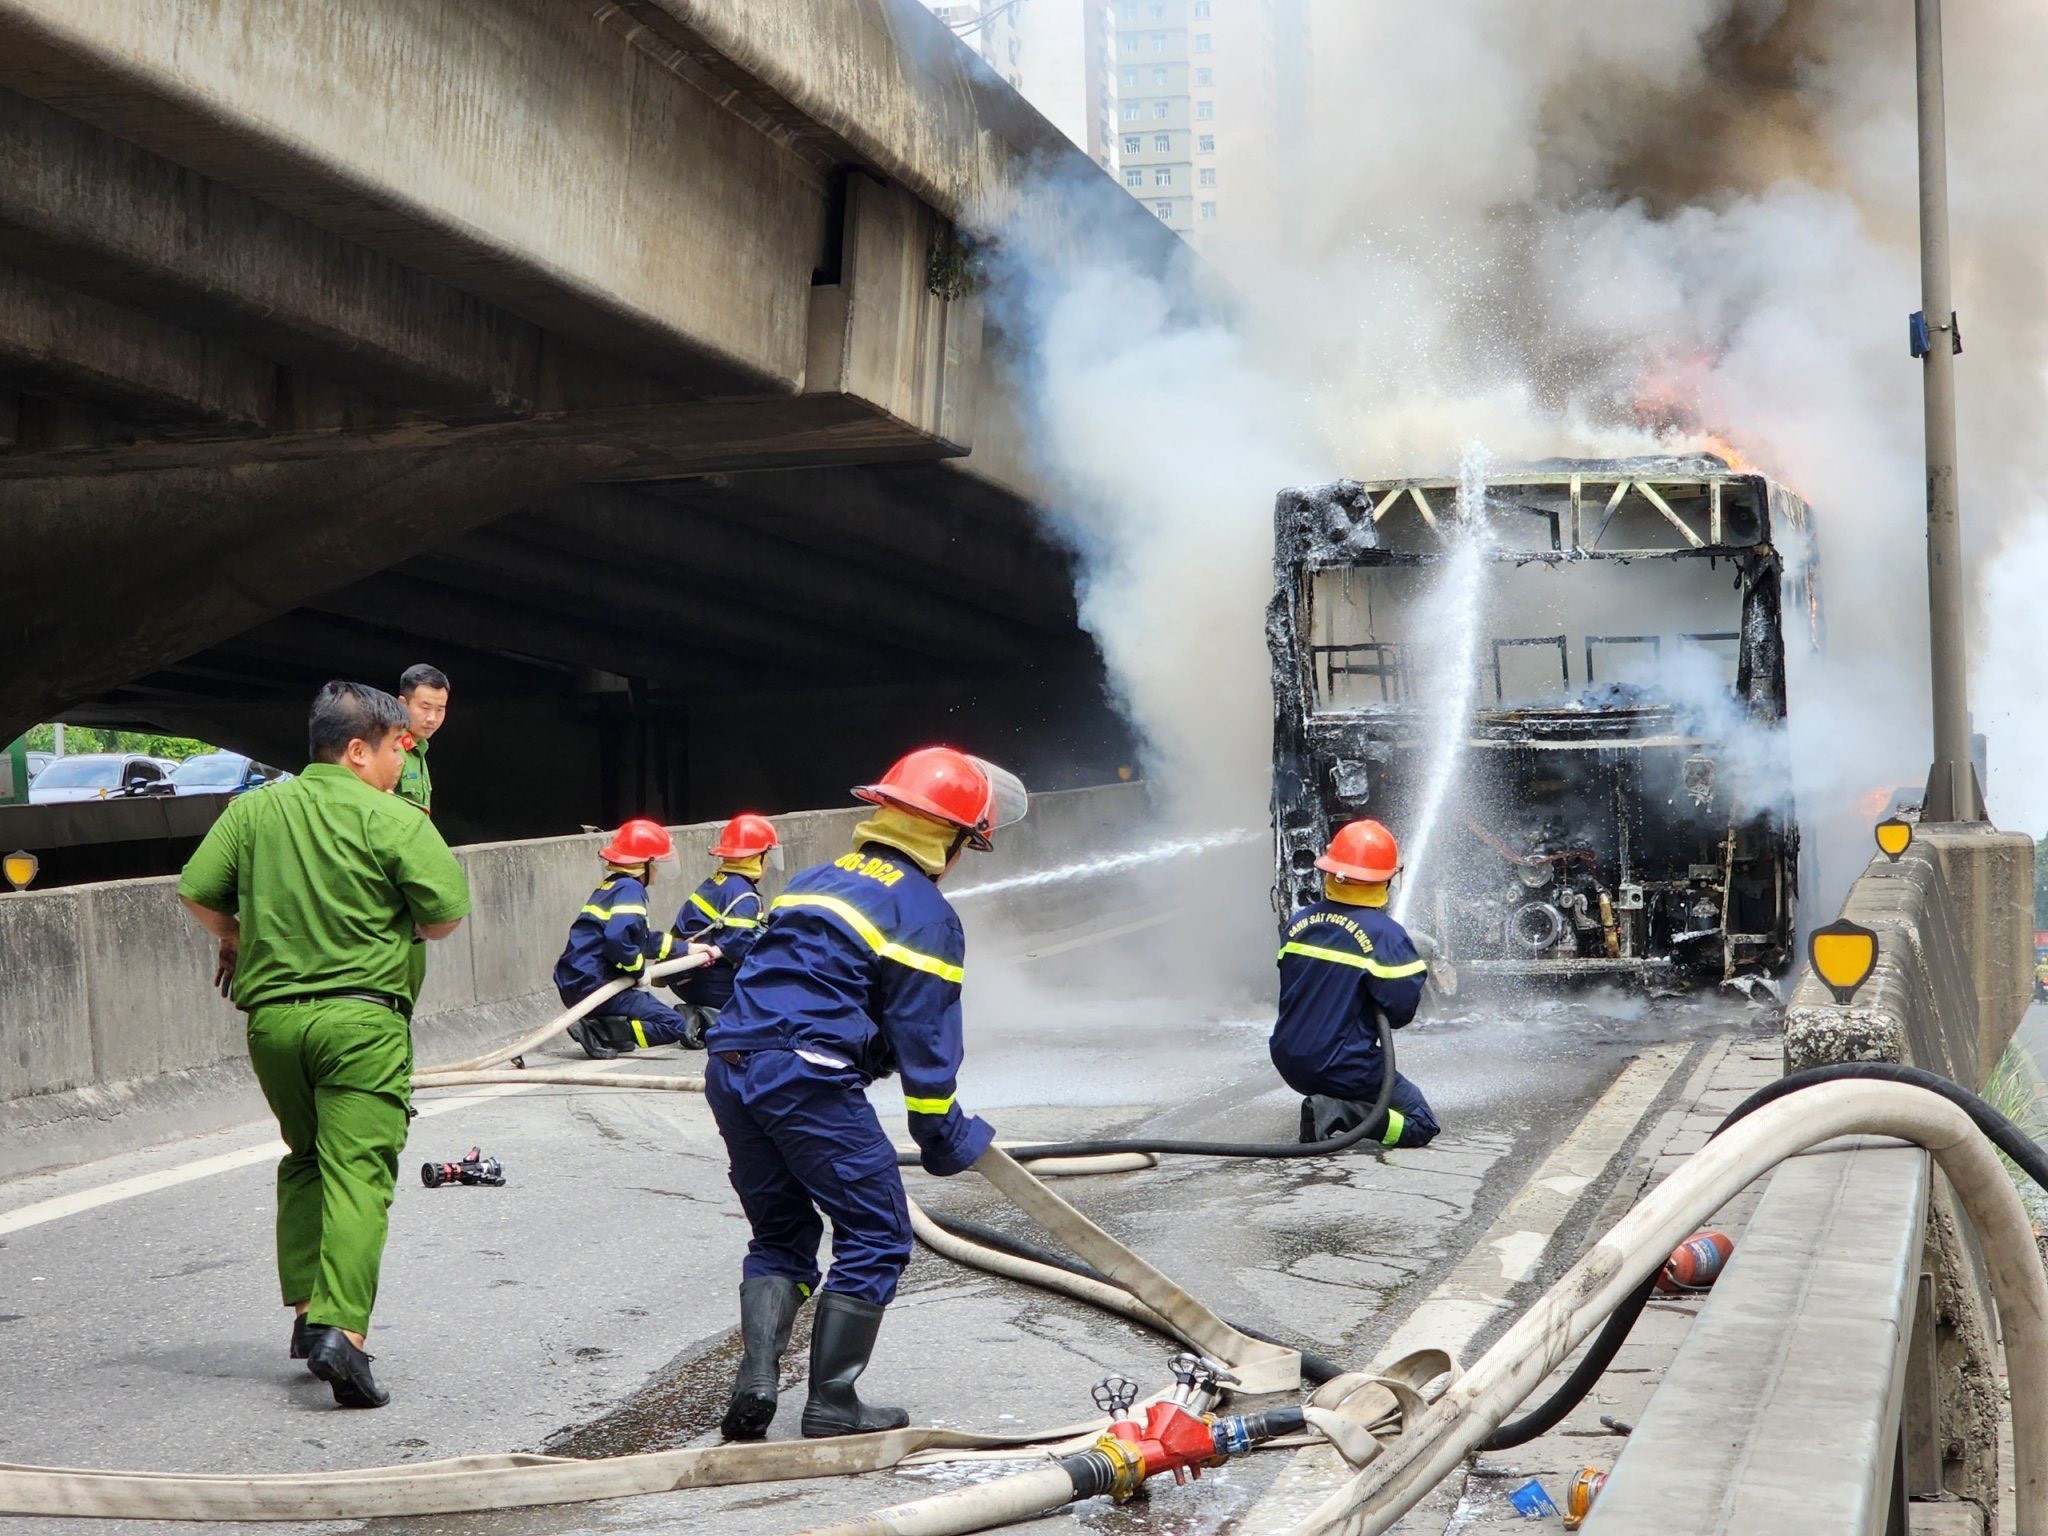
424, 692
320, 891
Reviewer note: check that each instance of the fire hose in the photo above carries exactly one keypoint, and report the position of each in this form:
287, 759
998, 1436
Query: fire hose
1393, 1476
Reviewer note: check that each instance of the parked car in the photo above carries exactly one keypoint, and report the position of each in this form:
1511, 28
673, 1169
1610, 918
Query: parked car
99, 776
222, 773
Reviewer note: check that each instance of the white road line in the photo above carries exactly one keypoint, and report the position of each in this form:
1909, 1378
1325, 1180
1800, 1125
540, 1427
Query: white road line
200, 1168
1477, 1291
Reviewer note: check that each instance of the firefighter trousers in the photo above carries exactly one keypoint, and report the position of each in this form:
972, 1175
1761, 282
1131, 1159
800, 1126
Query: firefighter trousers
805, 1147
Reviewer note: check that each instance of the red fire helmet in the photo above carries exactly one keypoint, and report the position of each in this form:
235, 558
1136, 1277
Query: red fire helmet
638, 841
954, 788
744, 836
1362, 850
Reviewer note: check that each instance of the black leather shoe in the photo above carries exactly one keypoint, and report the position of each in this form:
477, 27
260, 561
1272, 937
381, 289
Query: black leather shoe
591, 1040
331, 1357
299, 1337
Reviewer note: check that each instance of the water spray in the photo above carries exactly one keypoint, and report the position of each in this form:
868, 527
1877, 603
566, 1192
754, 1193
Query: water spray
1115, 863
1460, 593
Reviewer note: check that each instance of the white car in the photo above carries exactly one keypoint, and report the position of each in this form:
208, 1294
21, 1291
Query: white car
99, 776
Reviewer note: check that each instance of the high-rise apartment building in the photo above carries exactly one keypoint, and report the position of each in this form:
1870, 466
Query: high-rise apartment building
1058, 53
1211, 95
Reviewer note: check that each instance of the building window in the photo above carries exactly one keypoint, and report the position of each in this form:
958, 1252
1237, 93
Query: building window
1208, 210
1164, 210
1201, 10
1204, 43
1134, 178
1205, 110
1158, 7
1129, 44
1130, 111
1206, 176
1205, 76
1162, 142
1132, 143
1129, 10
1159, 42
1162, 176
1130, 77
1206, 143
1159, 74
1162, 110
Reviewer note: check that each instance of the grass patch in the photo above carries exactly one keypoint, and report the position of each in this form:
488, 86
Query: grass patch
2015, 1090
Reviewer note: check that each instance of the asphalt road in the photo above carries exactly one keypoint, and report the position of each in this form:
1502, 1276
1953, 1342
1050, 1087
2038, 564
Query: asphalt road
588, 1306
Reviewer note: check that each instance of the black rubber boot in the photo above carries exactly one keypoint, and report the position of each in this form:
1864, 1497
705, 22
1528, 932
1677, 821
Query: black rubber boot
331, 1357
1323, 1117
299, 1337
842, 1339
603, 1038
768, 1307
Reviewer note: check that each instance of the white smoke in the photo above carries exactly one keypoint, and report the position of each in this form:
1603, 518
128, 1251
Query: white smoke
1557, 229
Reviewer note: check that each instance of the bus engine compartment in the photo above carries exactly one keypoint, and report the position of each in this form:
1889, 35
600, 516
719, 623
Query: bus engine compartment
1621, 804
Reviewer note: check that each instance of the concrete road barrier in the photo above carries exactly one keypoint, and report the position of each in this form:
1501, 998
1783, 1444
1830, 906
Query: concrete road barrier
108, 1014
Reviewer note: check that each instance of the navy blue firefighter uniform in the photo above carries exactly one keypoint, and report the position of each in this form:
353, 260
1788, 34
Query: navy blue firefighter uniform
856, 975
1342, 966
610, 939
724, 911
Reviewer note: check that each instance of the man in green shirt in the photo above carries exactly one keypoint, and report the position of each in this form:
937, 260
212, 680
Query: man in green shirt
320, 891
424, 691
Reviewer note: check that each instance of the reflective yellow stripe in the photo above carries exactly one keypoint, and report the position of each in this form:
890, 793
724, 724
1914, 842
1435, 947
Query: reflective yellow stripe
640, 1034
723, 919
1315, 953
606, 914
871, 936
1361, 962
1391, 1137
638, 961
668, 943
929, 1106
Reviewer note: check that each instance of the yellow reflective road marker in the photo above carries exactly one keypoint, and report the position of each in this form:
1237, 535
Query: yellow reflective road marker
1843, 954
20, 868
1894, 836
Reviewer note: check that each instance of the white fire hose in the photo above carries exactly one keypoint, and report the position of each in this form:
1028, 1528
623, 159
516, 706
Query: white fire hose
1379, 1424
453, 1072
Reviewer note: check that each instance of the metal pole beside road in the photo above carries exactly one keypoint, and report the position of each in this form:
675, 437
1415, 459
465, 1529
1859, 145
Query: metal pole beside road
1953, 793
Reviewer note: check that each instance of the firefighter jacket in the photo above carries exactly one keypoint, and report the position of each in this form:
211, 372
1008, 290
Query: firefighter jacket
725, 910
610, 938
1340, 966
859, 967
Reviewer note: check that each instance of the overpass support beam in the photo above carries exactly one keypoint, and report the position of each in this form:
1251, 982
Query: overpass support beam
115, 222
54, 341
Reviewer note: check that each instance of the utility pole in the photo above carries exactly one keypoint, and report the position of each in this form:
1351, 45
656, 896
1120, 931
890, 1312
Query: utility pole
1953, 793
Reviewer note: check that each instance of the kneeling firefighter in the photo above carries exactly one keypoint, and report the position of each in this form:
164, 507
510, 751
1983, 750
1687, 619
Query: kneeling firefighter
1343, 962
856, 975
610, 938
724, 915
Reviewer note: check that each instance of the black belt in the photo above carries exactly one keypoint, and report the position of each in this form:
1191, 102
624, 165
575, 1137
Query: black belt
391, 1000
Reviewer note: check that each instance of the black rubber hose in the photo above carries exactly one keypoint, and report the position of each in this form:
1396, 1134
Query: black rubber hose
2004, 1135
1315, 1368
1374, 1126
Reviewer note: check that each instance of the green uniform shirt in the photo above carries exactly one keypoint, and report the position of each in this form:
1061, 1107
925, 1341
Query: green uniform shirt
328, 878
414, 782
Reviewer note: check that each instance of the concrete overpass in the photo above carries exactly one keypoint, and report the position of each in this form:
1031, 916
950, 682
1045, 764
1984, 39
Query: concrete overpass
611, 356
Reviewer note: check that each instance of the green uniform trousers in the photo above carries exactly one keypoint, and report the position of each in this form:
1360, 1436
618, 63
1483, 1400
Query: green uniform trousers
338, 1075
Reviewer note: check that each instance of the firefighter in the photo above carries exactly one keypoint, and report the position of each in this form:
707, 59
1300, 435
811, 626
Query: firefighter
724, 915
856, 975
610, 938
1344, 962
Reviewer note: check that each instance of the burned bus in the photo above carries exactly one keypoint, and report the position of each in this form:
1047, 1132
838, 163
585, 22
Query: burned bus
1621, 801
